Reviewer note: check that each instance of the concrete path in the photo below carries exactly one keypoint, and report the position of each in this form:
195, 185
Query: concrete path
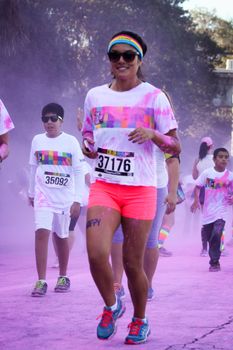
193, 308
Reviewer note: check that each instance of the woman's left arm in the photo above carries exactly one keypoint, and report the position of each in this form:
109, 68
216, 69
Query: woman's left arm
168, 143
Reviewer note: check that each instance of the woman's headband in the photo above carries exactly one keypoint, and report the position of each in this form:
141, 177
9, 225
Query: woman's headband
125, 39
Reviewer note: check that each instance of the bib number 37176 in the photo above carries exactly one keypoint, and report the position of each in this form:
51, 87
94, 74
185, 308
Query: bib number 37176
113, 164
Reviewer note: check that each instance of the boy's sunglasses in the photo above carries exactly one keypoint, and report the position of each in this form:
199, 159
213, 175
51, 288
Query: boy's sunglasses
128, 56
53, 118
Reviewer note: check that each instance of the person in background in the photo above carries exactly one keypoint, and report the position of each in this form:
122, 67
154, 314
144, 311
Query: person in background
124, 122
6, 125
218, 182
168, 223
55, 191
203, 162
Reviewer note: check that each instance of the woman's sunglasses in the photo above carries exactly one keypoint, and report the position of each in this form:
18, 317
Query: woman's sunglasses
128, 56
53, 118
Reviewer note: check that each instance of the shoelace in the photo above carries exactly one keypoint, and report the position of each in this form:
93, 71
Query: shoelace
62, 281
135, 327
39, 284
106, 318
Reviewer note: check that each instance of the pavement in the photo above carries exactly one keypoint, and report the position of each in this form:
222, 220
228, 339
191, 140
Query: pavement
193, 308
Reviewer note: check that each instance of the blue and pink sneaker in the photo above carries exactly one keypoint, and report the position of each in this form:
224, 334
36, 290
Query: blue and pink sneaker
138, 332
107, 326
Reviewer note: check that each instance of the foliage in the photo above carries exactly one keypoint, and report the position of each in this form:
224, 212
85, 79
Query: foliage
55, 50
218, 29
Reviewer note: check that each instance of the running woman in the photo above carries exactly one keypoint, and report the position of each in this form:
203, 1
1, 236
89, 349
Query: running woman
124, 121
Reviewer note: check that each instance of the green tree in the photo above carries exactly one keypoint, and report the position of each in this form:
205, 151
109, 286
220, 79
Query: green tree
218, 29
55, 49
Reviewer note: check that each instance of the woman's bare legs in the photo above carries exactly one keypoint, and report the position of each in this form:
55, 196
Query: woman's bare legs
101, 225
135, 238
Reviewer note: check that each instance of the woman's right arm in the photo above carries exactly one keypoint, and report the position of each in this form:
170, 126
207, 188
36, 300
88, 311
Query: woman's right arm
87, 132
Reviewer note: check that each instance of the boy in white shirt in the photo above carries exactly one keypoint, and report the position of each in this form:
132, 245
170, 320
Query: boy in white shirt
55, 192
218, 185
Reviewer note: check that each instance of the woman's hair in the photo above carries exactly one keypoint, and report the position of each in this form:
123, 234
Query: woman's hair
203, 150
140, 75
141, 43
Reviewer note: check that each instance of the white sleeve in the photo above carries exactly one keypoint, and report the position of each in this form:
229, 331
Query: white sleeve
79, 183
6, 123
32, 174
32, 158
78, 163
200, 181
88, 126
77, 155
164, 116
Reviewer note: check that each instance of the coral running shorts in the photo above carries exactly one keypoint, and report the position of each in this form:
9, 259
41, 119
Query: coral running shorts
137, 202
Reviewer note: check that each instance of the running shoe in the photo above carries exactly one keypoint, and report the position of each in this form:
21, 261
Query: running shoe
63, 285
107, 326
40, 289
214, 268
119, 291
150, 294
164, 252
138, 332
203, 253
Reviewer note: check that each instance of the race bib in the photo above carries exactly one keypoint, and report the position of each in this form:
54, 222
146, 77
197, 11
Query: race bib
114, 165
56, 180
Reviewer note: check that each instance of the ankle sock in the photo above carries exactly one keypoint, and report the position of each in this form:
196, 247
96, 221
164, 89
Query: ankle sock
113, 307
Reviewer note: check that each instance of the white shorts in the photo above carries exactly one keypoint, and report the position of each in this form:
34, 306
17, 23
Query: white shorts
53, 221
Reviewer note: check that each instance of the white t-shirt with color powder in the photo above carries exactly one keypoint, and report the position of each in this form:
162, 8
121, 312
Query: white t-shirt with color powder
58, 160
217, 185
6, 123
109, 117
161, 168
